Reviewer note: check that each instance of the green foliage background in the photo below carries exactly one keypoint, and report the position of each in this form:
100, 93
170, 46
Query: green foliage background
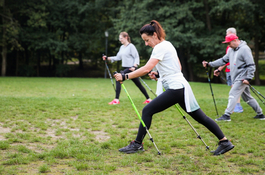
43, 34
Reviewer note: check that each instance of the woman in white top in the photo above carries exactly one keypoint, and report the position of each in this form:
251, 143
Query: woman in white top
165, 60
130, 61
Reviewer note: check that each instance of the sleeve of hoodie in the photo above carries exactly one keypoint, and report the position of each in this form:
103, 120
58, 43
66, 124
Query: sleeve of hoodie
117, 57
250, 65
220, 62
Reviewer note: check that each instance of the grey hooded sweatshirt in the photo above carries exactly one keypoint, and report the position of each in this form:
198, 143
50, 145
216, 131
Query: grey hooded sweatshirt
242, 66
128, 54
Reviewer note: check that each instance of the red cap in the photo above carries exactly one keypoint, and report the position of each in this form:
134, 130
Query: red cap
230, 38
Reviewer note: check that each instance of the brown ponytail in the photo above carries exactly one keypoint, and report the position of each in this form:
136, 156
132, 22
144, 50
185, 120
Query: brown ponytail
154, 26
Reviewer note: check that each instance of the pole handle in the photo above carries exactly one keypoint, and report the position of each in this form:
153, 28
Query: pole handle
106, 57
122, 74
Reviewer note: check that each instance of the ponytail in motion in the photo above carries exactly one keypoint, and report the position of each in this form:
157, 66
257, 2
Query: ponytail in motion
154, 26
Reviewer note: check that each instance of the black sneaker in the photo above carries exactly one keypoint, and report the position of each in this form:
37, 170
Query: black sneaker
224, 118
133, 147
261, 117
223, 147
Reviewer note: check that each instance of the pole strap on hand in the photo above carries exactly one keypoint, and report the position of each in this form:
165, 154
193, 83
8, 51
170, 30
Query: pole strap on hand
122, 74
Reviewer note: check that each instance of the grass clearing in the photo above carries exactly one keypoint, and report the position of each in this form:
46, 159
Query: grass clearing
65, 126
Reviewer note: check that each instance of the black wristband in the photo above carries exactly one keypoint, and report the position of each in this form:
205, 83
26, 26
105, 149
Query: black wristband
123, 76
157, 76
135, 67
218, 70
106, 56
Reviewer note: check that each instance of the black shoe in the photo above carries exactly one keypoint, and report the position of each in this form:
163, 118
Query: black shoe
133, 147
224, 118
261, 117
223, 147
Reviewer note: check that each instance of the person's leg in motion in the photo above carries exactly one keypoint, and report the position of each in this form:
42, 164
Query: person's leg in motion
117, 95
224, 144
246, 96
162, 102
238, 107
234, 93
142, 89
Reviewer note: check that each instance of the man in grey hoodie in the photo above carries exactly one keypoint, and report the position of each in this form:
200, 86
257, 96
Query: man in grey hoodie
242, 68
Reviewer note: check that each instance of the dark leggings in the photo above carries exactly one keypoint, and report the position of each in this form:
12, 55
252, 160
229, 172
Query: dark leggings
136, 82
166, 100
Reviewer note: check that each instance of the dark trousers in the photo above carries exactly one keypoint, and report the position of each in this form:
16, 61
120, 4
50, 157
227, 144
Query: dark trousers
167, 99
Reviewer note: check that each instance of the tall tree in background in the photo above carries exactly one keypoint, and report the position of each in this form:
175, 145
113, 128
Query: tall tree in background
196, 28
247, 17
256, 29
9, 29
183, 21
55, 31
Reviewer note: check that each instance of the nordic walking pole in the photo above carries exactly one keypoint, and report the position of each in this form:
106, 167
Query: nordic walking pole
198, 136
178, 108
109, 72
147, 86
257, 93
212, 91
134, 107
223, 78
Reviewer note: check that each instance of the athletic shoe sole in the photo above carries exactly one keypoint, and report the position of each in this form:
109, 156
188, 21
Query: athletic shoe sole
114, 103
225, 150
132, 151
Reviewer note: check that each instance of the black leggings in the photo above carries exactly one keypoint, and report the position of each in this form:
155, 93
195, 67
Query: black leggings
167, 99
136, 82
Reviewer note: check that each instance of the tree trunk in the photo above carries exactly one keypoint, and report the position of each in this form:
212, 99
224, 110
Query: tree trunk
62, 58
4, 51
81, 66
17, 58
50, 61
183, 62
4, 47
27, 55
55, 62
191, 77
208, 22
256, 59
38, 64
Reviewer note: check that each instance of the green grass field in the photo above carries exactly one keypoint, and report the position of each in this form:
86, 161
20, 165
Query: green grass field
65, 126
